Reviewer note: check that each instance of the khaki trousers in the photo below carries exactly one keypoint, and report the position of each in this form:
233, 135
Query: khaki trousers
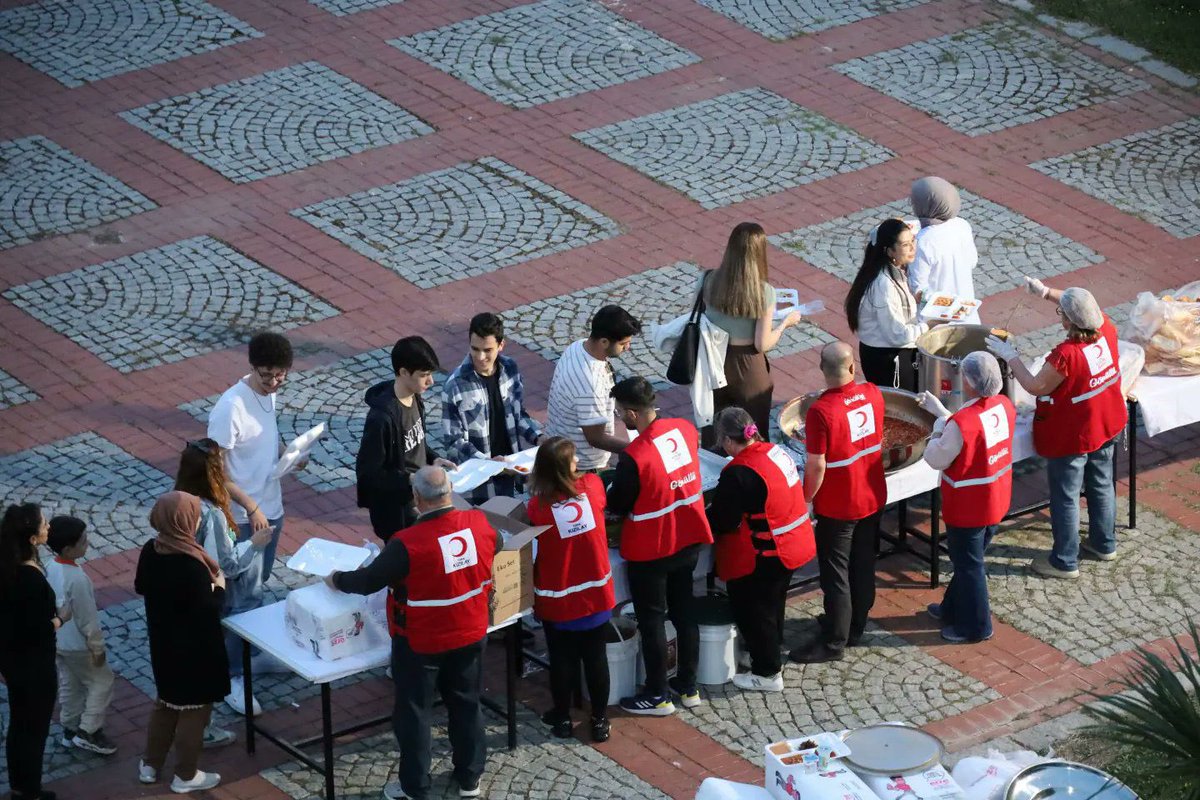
84, 691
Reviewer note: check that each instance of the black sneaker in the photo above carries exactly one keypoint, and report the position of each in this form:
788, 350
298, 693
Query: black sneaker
96, 742
560, 724
68, 737
649, 705
818, 654
600, 729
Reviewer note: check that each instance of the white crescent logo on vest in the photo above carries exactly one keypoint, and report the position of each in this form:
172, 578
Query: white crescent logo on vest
785, 463
1098, 355
673, 450
573, 517
995, 426
862, 422
458, 550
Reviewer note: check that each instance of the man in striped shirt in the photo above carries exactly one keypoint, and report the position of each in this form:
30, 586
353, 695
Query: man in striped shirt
580, 406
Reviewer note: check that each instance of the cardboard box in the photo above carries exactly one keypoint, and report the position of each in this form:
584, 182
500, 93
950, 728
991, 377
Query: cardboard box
810, 767
512, 569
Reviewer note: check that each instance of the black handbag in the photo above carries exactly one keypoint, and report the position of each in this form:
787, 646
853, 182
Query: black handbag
682, 369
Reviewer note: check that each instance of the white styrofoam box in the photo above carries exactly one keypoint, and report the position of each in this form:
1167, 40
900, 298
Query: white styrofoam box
934, 783
331, 624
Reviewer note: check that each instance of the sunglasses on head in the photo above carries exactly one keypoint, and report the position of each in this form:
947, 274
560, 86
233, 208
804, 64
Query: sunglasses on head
202, 446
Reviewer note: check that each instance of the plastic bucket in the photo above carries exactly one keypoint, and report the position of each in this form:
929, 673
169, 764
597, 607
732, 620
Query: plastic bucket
622, 651
718, 641
672, 648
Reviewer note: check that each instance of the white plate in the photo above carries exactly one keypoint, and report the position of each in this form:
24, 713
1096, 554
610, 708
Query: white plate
321, 556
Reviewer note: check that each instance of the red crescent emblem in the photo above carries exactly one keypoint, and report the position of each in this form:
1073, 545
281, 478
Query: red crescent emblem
674, 444
578, 512
861, 413
996, 421
462, 543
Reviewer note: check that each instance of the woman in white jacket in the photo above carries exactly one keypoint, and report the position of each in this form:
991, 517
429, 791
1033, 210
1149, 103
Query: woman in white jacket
946, 255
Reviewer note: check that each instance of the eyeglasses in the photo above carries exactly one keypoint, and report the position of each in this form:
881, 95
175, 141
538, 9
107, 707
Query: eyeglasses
202, 446
1058, 310
270, 375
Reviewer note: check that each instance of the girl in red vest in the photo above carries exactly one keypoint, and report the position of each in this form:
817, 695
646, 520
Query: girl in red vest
1080, 412
572, 579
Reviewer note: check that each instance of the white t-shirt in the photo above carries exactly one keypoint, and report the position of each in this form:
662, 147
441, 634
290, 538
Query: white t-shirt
243, 423
579, 395
946, 258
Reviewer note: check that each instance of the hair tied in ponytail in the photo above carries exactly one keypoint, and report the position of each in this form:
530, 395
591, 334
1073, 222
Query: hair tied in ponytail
750, 431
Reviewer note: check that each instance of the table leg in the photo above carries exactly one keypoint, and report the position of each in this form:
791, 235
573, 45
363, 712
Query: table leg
935, 538
327, 739
902, 526
512, 645
1133, 441
248, 695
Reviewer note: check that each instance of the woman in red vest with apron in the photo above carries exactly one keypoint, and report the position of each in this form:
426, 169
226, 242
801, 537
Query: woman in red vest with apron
572, 580
1080, 412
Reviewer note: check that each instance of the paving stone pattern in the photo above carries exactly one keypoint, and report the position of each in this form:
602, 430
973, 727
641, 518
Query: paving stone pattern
79, 41
1154, 175
540, 768
277, 122
59, 761
991, 78
545, 51
168, 304
46, 190
344, 8
472, 218
13, 392
885, 679
334, 395
89, 477
783, 19
736, 146
658, 295
1010, 245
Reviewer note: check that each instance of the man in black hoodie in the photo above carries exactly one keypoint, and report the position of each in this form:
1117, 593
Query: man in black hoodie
393, 441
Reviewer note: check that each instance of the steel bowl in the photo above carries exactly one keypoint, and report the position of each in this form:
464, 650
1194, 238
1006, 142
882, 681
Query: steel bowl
1066, 780
897, 404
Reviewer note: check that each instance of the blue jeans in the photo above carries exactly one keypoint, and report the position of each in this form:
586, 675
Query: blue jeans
244, 531
243, 593
1093, 473
965, 608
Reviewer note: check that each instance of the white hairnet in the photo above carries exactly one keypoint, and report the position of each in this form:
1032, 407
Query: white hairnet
981, 371
1081, 309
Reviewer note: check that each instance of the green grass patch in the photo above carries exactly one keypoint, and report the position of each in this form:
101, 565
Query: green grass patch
1170, 29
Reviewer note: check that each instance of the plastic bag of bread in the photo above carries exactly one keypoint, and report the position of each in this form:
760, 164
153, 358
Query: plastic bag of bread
1168, 327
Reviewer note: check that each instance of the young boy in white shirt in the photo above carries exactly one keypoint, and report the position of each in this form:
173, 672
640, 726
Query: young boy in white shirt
85, 680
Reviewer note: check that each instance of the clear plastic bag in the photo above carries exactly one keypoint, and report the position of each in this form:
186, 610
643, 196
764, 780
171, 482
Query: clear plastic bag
1168, 328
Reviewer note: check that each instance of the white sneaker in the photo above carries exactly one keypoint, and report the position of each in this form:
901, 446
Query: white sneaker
146, 774
236, 699
217, 737
756, 683
200, 781
392, 791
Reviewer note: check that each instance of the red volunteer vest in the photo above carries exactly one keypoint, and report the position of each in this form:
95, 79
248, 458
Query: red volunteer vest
1087, 409
448, 582
852, 418
783, 530
977, 487
572, 578
668, 514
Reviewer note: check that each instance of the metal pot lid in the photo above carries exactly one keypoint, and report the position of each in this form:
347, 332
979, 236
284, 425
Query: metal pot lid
892, 749
1066, 780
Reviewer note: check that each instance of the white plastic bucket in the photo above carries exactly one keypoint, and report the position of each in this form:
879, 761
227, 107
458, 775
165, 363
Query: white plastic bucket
672, 648
622, 661
718, 654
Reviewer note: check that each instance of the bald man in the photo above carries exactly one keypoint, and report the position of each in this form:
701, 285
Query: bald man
844, 485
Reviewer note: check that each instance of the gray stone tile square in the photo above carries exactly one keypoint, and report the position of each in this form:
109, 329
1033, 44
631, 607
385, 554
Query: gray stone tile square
545, 51
735, 147
343, 8
657, 295
79, 41
1153, 175
466, 220
1010, 245
990, 78
13, 392
784, 19
89, 477
277, 122
168, 304
47, 190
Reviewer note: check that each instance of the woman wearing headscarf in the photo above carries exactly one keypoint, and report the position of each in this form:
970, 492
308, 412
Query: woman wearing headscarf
1079, 415
184, 592
946, 254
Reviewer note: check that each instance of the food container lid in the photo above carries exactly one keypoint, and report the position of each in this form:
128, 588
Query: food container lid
892, 749
1067, 779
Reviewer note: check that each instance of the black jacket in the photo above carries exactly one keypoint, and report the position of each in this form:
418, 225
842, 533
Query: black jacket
383, 476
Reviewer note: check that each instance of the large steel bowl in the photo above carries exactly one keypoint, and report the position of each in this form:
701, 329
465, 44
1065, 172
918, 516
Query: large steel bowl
897, 404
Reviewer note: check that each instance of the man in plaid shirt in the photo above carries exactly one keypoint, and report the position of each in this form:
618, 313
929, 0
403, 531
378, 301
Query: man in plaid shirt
483, 404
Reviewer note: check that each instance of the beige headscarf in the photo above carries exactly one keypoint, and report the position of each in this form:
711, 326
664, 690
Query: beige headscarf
176, 516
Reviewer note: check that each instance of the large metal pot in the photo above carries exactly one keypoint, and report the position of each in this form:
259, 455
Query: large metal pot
939, 354
897, 404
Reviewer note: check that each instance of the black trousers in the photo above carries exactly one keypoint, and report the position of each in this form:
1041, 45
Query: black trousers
880, 367
387, 519
662, 589
568, 649
846, 557
456, 675
32, 689
758, 602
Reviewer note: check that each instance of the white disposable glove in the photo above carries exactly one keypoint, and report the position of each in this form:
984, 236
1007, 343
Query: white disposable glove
1001, 348
934, 406
1036, 287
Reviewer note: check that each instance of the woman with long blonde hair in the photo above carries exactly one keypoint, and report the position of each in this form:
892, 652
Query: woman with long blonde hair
739, 300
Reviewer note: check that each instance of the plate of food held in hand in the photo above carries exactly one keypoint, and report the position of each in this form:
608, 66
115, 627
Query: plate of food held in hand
948, 308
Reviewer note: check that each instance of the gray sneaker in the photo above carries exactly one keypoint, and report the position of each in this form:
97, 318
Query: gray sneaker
95, 742
218, 737
1086, 547
1042, 566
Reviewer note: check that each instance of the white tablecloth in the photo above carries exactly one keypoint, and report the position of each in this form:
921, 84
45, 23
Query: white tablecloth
1167, 402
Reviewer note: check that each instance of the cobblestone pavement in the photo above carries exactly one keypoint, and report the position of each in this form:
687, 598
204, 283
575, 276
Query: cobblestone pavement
545, 51
783, 19
458, 222
277, 122
1010, 245
168, 304
89, 477
77, 41
547, 327
343, 8
735, 147
1154, 175
991, 78
12, 391
46, 190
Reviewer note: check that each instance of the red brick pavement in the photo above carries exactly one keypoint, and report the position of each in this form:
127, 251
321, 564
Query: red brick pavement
659, 226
